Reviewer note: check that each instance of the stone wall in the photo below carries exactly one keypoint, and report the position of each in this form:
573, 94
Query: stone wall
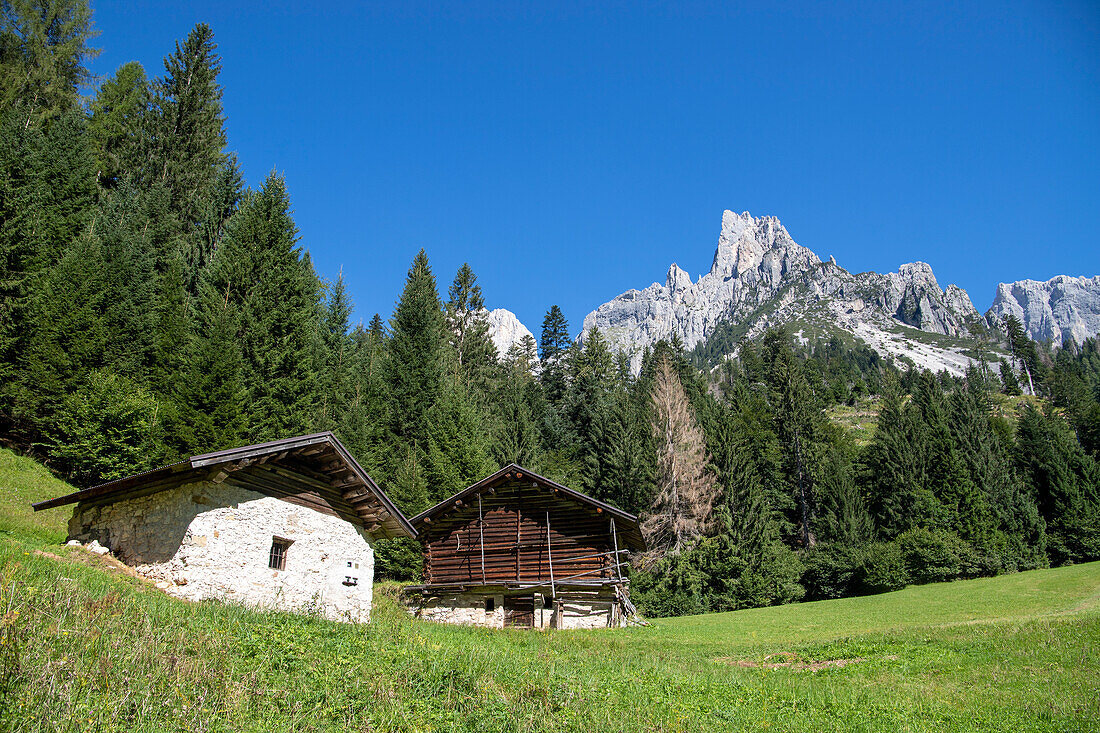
588, 611
205, 540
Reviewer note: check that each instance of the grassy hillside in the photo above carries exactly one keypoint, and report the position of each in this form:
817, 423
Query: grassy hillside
861, 419
84, 645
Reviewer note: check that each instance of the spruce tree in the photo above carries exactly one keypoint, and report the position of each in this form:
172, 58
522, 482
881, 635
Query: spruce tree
468, 322
337, 375
210, 395
43, 52
47, 192
793, 404
116, 124
218, 206
515, 436
893, 469
173, 327
273, 284
189, 125
1065, 483
555, 334
414, 368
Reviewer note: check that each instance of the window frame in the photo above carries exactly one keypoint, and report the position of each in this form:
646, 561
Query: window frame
280, 548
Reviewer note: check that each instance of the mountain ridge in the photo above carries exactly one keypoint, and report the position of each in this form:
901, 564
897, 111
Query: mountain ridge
760, 277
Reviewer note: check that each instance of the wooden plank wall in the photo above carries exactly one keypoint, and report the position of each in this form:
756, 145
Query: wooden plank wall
516, 547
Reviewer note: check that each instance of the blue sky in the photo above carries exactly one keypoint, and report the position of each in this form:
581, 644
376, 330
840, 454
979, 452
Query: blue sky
571, 151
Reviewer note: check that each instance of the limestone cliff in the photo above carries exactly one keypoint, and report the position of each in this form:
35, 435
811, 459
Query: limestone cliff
761, 277
1061, 308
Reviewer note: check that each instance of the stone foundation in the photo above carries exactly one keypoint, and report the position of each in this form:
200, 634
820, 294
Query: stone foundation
583, 610
213, 541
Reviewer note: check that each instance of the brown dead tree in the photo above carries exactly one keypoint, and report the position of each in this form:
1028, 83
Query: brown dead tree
686, 490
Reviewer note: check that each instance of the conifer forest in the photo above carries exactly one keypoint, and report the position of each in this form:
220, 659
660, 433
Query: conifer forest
155, 305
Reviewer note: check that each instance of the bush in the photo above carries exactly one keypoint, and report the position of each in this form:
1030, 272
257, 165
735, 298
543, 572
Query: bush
670, 588
935, 556
399, 559
881, 569
104, 430
830, 571
774, 582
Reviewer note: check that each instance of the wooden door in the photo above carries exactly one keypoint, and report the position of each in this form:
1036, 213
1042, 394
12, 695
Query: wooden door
519, 611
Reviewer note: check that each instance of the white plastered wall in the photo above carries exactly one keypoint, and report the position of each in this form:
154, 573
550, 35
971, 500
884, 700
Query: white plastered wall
204, 540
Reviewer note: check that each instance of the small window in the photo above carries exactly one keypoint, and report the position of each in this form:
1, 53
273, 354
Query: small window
277, 559
490, 605
547, 602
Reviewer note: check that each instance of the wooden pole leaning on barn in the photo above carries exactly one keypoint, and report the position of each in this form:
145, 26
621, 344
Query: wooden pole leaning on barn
481, 532
618, 569
615, 539
553, 593
550, 557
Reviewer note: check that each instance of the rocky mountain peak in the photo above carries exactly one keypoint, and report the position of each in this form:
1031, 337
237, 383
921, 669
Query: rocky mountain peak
761, 277
1062, 308
746, 242
505, 330
677, 279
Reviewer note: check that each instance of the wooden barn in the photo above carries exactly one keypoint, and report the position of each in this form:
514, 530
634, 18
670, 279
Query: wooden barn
519, 550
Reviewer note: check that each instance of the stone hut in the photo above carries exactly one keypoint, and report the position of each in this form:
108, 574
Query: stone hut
519, 550
287, 524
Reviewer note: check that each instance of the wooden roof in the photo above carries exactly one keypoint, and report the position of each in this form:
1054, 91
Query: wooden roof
313, 470
626, 524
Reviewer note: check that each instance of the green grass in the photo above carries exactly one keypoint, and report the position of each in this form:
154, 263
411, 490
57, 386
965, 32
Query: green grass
23, 481
859, 420
84, 645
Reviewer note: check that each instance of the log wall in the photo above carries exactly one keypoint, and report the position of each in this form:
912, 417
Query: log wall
513, 536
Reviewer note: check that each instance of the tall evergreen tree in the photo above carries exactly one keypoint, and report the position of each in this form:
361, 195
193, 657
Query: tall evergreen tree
555, 334
414, 369
793, 404
1065, 483
273, 284
211, 396
189, 126
119, 113
468, 322
337, 375
43, 52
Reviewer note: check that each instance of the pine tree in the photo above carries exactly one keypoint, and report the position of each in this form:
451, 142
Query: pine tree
414, 368
116, 124
686, 489
274, 286
189, 125
555, 334
43, 51
468, 322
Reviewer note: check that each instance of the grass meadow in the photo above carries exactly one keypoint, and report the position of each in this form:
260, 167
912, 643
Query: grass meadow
86, 646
